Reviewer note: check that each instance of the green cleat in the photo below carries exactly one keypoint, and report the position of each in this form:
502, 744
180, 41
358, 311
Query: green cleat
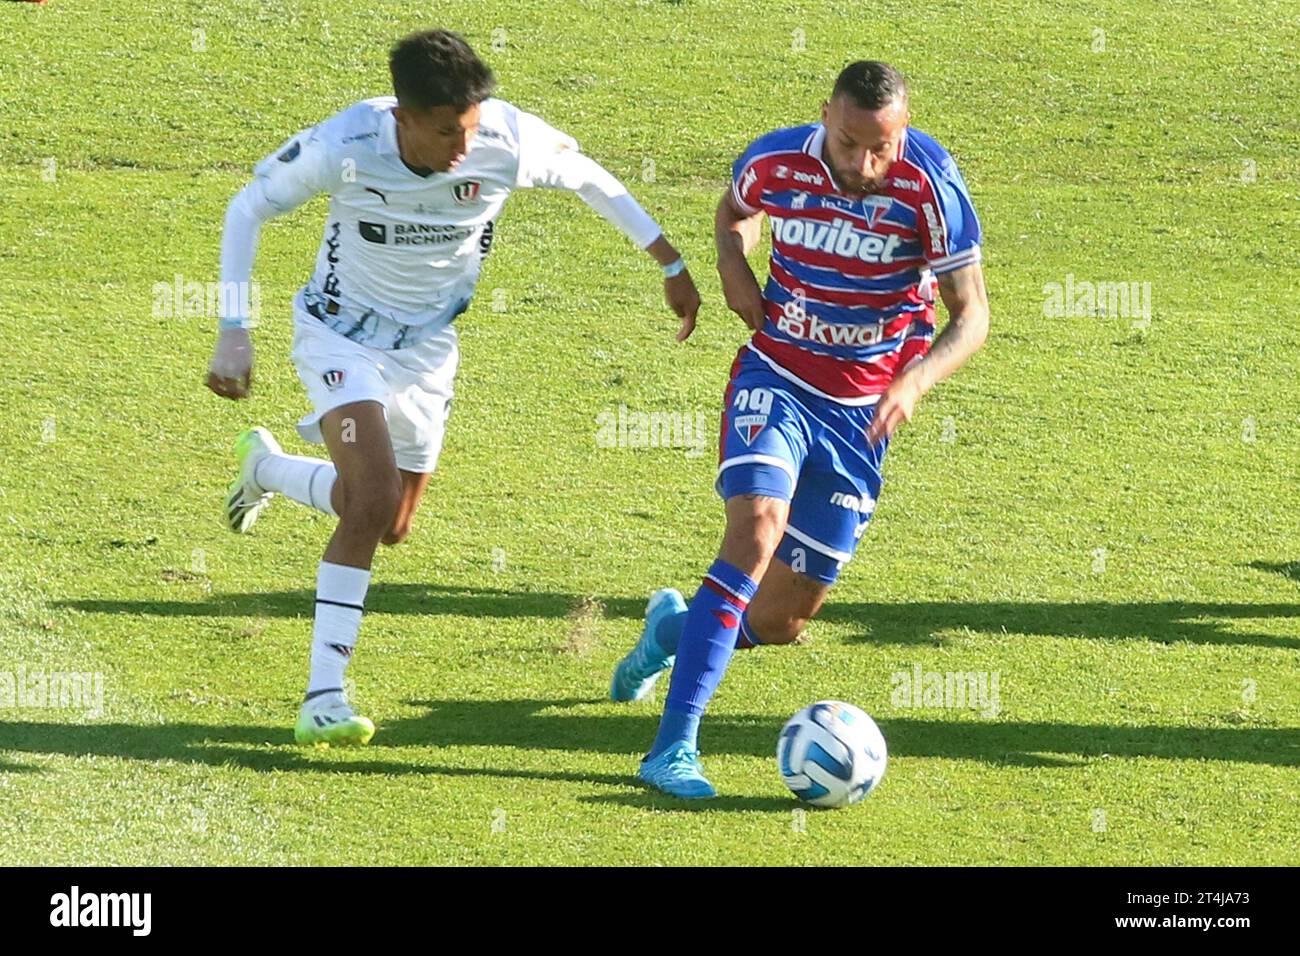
246, 498
327, 720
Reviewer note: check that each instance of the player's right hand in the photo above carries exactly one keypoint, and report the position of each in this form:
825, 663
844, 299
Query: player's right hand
230, 374
740, 289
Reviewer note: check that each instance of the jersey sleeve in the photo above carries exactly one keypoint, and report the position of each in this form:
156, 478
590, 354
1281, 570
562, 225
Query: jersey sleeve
551, 160
747, 179
286, 179
298, 170
542, 150
950, 230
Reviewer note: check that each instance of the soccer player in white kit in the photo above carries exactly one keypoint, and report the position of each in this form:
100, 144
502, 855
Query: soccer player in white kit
415, 183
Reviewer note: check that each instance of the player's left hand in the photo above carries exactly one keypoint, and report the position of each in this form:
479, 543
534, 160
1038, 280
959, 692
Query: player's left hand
895, 407
684, 300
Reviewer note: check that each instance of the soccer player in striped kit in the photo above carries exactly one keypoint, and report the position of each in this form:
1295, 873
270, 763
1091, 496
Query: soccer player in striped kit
868, 216
415, 181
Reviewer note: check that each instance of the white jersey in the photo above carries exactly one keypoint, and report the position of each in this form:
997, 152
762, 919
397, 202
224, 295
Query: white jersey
400, 245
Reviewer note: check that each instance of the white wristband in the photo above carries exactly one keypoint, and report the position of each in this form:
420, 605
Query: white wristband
674, 268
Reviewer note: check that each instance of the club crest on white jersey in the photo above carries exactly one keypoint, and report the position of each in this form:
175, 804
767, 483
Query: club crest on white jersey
405, 246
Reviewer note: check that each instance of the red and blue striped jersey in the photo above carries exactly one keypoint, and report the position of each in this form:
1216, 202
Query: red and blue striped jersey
850, 294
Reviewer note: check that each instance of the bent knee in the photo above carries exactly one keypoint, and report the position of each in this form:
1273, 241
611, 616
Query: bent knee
373, 505
752, 537
748, 547
398, 533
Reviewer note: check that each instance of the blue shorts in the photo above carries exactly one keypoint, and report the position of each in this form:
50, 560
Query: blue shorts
782, 441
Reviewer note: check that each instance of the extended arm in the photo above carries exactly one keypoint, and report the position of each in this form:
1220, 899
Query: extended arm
601, 190
551, 159
283, 182
230, 372
967, 303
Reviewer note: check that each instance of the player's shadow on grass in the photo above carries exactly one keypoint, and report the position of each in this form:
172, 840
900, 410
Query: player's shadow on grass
1288, 569
596, 726
908, 622
1166, 622
259, 749
382, 598
620, 729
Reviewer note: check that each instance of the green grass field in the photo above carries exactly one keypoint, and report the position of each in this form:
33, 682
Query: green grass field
1099, 509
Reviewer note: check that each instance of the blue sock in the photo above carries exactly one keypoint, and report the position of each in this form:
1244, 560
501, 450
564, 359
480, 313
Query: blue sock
746, 637
668, 634
708, 640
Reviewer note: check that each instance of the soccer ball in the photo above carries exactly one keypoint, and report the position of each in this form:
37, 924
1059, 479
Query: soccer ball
831, 754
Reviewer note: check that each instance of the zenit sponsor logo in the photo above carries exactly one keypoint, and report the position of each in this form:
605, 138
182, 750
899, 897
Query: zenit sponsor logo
785, 172
837, 238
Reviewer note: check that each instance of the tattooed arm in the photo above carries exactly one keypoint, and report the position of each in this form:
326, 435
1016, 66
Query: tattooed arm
967, 303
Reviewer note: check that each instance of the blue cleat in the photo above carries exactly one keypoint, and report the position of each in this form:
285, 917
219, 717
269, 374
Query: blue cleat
635, 675
677, 772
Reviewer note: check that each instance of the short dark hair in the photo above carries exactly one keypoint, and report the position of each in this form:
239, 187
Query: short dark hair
438, 68
871, 84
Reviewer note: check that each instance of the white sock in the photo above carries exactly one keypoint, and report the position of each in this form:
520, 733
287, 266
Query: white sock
340, 596
305, 480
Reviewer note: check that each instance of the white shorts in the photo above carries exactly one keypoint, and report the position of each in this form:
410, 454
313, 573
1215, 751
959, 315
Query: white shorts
413, 384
